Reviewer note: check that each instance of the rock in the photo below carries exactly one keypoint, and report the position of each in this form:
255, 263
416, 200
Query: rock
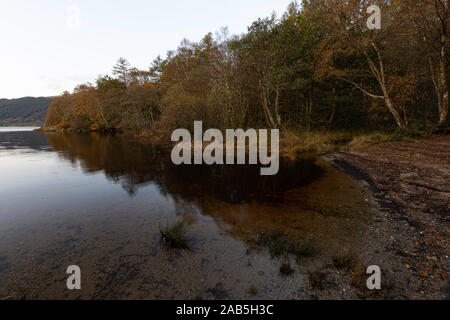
321, 212
411, 175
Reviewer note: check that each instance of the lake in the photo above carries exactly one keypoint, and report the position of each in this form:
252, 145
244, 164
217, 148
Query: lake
17, 129
99, 202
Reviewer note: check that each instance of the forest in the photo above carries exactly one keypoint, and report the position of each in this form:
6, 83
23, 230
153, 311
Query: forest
24, 111
317, 68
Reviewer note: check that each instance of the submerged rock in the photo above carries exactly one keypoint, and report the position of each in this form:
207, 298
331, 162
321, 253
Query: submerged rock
411, 175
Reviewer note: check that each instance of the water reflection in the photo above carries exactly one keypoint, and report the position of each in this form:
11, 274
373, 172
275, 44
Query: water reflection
241, 201
23, 140
64, 207
133, 165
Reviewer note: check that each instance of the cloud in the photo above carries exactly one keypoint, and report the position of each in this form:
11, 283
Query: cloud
73, 21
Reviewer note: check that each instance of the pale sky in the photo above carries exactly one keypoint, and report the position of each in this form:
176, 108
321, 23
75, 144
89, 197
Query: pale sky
49, 46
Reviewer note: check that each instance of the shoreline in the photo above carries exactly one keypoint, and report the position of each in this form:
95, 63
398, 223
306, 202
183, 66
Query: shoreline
408, 236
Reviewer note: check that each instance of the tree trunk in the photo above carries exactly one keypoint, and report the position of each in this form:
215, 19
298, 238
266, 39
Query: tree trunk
265, 104
277, 113
381, 77
443, 75
394, 112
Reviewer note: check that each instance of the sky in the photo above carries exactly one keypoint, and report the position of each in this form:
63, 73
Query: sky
50, 46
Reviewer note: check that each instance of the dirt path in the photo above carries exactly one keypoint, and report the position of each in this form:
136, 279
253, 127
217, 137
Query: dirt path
409, 185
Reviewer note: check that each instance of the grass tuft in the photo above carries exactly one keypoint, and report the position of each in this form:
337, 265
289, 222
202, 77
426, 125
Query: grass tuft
317, 279
286, 270
281, 245
303, 248
253, 291
346, 261
174, 235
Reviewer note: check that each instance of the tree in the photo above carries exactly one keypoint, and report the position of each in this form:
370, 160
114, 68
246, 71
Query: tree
122, 70
349, 19
312, 68
157, 69
261, 49
431, 21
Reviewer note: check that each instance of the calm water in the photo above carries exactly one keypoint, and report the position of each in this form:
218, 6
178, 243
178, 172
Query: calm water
17, 129
99, 201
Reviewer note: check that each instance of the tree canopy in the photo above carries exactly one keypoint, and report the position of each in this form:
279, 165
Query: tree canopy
316, 66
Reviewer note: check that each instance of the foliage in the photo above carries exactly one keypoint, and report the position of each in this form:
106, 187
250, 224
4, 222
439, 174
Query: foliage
317, 67
23, 111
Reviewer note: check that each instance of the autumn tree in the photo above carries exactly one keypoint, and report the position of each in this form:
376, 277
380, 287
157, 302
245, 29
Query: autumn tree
318, 65
122, 70
354, 38
261, 49
430, 19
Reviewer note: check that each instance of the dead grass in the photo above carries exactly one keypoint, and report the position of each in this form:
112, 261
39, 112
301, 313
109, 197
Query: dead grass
294, 143
317, 279
362, 141
346, 261
19, 290
286, 269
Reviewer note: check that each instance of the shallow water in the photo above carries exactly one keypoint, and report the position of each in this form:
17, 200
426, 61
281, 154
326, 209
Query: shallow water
99, 202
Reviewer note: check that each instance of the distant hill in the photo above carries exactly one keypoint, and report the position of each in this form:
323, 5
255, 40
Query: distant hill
26, 111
